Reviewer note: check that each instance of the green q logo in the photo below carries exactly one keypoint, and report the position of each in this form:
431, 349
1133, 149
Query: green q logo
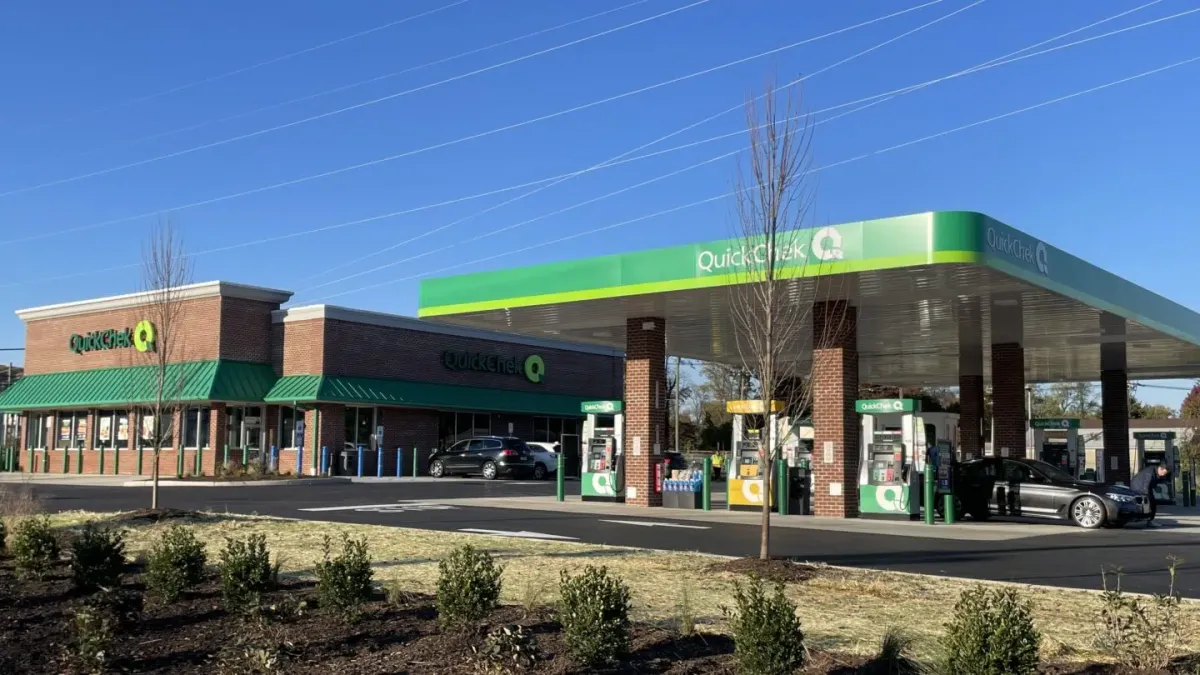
535, 369
143, 336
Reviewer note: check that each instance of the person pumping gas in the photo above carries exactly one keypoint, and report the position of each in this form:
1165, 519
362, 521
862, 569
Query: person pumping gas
1144, 483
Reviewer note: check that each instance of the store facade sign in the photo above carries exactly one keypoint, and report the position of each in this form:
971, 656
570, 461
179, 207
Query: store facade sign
532, 367
885, 405
1154, 435
1018, 247
141, 337
601, 407
1054, 423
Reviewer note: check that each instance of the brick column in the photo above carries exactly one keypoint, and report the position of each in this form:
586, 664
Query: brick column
331, 434
217, 436
1008, 400
836, 427
645, 406
1114, 398
970, 379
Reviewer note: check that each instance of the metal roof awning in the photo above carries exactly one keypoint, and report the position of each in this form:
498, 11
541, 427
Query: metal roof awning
909, 278
217, 380
406, 394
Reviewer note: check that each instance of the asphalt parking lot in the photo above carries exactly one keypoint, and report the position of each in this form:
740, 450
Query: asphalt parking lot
1047, 554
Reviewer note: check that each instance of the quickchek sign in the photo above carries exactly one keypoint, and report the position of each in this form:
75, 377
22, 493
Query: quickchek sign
1016, 247
600, 407
532, 366
1054, 423
824, 246
140, 337
878, 406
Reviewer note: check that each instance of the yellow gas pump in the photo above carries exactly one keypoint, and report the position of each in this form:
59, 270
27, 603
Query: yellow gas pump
744, 488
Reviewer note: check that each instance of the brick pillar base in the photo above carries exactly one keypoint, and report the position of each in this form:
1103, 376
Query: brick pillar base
836, 430
970, 416
1008, 400
1114, 397
645, 407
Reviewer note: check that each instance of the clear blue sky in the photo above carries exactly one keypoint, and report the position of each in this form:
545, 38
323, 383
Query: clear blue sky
1091, 175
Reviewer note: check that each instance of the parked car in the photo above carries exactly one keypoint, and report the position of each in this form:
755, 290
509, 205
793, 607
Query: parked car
1031, 488
489, 456
545, 458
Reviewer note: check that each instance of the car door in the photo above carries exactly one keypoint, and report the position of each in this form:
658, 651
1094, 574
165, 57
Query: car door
1029, 492
476, 455
453, 458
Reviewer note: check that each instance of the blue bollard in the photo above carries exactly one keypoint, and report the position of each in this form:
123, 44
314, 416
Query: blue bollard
300, 461
324, 461
360, 460
379, 463
274, 459
399, 461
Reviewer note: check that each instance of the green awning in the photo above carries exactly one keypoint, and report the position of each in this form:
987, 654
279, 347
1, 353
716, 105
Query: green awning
400, 393
218, 380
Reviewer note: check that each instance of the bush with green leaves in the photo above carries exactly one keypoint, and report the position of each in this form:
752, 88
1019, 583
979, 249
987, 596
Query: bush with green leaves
468, 587
3, 536
97, 558
246, 572
991, 633
175, 563
767, 636
34, 547
507, 649
91, 639
1142, 633
594, 612
344, 580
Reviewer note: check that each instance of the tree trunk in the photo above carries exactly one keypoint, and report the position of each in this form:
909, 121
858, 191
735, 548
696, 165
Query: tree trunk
764, 550
154, 481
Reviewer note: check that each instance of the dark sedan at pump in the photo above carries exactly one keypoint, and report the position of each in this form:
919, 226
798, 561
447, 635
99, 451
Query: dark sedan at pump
1030, 488
488, 456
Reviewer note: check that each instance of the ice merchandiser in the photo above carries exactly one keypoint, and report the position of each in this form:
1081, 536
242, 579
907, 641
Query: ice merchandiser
895, 441
603, 475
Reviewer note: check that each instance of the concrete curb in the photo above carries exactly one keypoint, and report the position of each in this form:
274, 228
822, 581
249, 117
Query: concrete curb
145, 482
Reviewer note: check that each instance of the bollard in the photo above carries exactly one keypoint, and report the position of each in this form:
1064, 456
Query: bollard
781, 487
399, 461
245, 457
414, 474
179, 462
116, 461
927, 502
67, 460
706, 485
324, 461
31, 460
379, 462
950, 516
300, 460
225, 461
46, 460
199, 462
101, 459
560, 481
139, 459
273, 459
360, 461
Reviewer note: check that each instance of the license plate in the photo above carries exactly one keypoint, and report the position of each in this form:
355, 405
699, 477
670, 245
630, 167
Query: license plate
1145, 507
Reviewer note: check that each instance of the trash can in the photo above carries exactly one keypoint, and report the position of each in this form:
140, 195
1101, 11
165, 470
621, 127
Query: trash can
799, 503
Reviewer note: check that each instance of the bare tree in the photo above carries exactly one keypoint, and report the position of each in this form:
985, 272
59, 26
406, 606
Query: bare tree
159, 337
778, 280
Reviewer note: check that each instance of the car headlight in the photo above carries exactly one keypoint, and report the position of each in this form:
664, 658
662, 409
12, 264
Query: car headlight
1118, 497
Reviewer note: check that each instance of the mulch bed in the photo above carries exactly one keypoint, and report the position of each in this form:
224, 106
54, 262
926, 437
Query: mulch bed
778, 570
196, 635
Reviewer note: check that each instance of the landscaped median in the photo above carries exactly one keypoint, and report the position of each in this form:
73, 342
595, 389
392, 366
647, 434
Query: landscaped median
843, 612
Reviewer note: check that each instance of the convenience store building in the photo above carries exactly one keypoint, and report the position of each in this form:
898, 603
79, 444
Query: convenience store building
249, 376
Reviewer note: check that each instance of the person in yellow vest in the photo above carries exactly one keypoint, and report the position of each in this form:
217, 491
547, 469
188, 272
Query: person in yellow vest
718, 461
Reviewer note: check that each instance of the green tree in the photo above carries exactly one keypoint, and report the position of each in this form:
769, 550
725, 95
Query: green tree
1066, 399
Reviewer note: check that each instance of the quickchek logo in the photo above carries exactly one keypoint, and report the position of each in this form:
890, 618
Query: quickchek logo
825, 246
140, 337
532, 367
1018, 249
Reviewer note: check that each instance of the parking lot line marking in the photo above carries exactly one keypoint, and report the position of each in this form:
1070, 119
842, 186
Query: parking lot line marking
519, 535
643, 523
395, 507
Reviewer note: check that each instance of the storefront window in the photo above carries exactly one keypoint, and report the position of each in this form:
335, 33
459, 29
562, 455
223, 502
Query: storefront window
166, 434
35, 438
72, 430
112, 429
233, 426
195, 427
287, 425
244, 426
360, 424
552, 429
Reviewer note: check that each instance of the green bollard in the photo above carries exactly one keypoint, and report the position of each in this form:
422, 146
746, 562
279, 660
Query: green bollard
929, 492
101, 460
79, 462
199, 461
706, 485
139, 459
116, 460
225, 461
31, 460
560, 481
245, 458
67, 460
948, 509
179, 462
781, 487
414, 475
46, 461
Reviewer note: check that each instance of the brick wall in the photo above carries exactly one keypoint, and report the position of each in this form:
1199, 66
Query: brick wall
1009, 421
301, 347
835, 388
1114, 397
245, 330
409, 430
645, 405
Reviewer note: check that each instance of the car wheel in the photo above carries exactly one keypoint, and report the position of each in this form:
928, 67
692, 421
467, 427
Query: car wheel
437, 469
1088, 513
490, 471
539, 471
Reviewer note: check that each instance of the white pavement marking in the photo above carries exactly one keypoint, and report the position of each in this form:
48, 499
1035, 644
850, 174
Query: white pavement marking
401, 507
644, 523
518, 535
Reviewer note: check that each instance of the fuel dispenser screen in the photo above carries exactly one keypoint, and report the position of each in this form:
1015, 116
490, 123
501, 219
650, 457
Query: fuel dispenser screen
747, 459
885, 464
599, 455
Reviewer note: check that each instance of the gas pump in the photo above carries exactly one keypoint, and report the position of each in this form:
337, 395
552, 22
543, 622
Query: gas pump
744, 487
1056, 442
1157, 448
603, 475
896, 440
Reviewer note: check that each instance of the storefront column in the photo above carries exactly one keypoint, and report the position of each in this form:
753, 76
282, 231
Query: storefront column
836, 430
1114, 400
645, 406
330, 432
218, 435
1009, 420
970, 380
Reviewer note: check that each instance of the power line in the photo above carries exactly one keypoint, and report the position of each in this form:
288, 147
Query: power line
878, 98
331, 113
409, 153
246, 69
726, 195
360, 83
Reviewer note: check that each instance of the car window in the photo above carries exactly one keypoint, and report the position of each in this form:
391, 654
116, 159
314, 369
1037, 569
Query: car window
981, 470
1047, 469
475, 445
1015, 472
460, 446
492, 444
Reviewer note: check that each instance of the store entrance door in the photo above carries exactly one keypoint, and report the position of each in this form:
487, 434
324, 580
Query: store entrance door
570, 454
252, 437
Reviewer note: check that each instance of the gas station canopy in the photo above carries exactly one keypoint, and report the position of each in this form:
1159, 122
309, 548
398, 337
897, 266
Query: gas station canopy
909, 278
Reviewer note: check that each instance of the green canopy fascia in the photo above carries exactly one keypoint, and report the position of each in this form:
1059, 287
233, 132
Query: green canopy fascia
401, 393
217, 380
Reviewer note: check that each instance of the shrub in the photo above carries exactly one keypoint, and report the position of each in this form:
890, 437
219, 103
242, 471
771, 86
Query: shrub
507, 649
97, 558
34, 547
175, 564
3, 536
594, 612
991, 633
766, 632
121, 606
91, 639
344, 581
468, 586
246, 572
893, 657
1141, 633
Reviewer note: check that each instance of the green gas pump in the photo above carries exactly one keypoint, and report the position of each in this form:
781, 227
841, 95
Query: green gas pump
603, 475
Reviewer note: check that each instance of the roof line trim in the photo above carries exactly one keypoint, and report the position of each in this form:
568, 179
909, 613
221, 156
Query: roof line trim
205, 289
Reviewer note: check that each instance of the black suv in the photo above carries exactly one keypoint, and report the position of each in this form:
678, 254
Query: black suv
490, 456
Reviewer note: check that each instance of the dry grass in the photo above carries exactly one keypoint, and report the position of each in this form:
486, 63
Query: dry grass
841, 609
17, 502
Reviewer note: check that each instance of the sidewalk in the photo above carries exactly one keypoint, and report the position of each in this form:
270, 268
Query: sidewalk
968, 531
62, 479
